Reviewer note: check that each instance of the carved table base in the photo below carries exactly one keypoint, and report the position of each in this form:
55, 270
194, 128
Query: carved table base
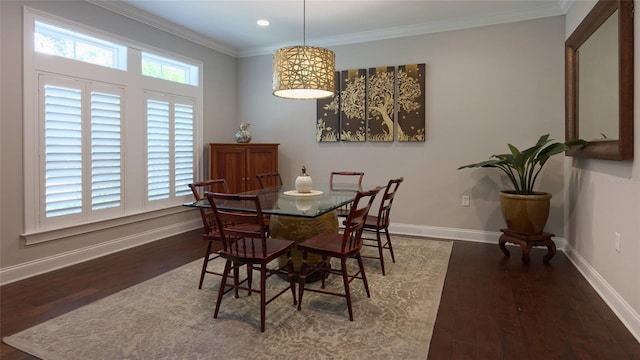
300, 229
526, 241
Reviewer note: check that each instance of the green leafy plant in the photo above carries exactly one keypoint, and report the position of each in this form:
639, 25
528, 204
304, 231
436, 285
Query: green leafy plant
523, 167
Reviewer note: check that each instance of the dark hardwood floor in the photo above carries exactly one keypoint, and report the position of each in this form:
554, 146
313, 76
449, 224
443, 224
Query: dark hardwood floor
491, 308
494, 307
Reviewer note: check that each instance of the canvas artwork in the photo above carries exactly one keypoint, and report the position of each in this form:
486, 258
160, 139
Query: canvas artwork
381, 97
411, 103
353, 85
328, 115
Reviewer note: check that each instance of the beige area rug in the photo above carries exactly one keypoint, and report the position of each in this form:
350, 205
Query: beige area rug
167, 317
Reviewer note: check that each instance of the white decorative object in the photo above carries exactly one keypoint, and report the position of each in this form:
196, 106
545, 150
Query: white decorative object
310, 193
304, 204
304, 182
243, 135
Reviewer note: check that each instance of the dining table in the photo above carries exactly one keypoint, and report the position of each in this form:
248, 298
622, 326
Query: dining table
296, 216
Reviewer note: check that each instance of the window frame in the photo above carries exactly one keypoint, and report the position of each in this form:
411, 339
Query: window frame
134, 208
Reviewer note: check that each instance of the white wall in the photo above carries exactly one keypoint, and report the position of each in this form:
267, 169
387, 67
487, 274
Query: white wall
485, 87
604, 198
17, 259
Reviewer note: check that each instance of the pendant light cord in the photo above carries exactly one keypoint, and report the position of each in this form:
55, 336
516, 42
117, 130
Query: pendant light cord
304, 23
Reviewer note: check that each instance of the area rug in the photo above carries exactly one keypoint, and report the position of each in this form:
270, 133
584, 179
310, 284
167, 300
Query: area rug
167, 317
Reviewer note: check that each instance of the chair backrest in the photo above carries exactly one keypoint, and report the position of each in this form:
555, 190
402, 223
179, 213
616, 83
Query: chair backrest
199, 189
354, 225
346, 178
235, 225
387, 201
269, 179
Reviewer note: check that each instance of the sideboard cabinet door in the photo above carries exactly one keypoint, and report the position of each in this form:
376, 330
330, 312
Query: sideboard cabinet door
240, 163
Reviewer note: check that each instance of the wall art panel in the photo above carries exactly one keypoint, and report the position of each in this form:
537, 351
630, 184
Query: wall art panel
381, 97
353, 85
411, 103
328, 115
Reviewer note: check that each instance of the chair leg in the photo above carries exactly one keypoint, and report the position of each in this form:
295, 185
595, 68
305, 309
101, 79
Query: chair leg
236, 277
347, 292
292, 281
223, 285
386, 231
380, 246
324, 267
249, 276
204, 264
302, 278
263, 294
364, 276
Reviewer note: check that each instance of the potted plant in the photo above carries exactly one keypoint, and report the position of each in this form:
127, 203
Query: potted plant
524, 209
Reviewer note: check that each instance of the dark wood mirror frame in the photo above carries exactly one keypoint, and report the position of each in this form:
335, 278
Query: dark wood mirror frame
622, 148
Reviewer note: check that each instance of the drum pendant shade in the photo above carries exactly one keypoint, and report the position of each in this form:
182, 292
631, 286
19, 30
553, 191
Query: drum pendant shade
303, 72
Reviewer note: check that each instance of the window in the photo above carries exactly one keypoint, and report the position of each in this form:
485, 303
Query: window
53, 40
169, 146
69, 158
88, 157
168, 69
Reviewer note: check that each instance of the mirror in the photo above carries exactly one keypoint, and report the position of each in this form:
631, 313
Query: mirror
599, 82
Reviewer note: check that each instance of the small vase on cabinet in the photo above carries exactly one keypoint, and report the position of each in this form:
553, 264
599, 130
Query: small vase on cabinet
243, 135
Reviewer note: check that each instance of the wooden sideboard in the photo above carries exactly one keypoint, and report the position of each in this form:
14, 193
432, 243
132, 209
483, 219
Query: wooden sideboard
240, 163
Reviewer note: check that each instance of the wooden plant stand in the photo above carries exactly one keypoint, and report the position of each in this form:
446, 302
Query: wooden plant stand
526, 241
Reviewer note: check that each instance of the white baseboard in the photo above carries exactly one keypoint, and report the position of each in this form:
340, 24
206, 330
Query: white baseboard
629, 317
490, 237
58, 261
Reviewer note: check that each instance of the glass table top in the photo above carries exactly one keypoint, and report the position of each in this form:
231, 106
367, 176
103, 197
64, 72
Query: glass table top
276, 201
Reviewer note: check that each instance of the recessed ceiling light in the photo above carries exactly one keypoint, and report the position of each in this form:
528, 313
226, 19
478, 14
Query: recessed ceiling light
263, 22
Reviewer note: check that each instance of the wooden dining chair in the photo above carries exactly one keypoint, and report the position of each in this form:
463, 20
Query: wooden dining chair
348, 181
211, 233
341, 246
381, 222
269, 179
245, 242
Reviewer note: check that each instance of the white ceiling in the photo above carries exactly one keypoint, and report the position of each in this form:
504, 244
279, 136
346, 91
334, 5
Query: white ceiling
230, 26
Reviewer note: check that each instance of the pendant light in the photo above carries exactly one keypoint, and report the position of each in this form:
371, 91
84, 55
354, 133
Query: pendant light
303, 72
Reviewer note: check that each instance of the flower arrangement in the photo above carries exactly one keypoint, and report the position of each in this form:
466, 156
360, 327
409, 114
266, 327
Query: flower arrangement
244, 126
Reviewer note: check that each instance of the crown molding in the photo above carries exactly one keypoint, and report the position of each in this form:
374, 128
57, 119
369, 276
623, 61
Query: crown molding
136, 14
548, 10
422, 29
565, 5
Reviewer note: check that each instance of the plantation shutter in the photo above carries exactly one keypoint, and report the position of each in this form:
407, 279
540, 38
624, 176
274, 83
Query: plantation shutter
184, 143
105, 151
158, 150
62, 150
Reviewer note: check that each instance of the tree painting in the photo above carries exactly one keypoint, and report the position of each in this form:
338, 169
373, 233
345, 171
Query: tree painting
353, 105
411, 104
328, 116
380, 103
366, 106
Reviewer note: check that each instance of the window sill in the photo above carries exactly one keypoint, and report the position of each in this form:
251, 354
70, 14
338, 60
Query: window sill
60, 233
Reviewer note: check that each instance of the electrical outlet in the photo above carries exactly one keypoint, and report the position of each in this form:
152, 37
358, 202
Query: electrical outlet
617, 242
465, 200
